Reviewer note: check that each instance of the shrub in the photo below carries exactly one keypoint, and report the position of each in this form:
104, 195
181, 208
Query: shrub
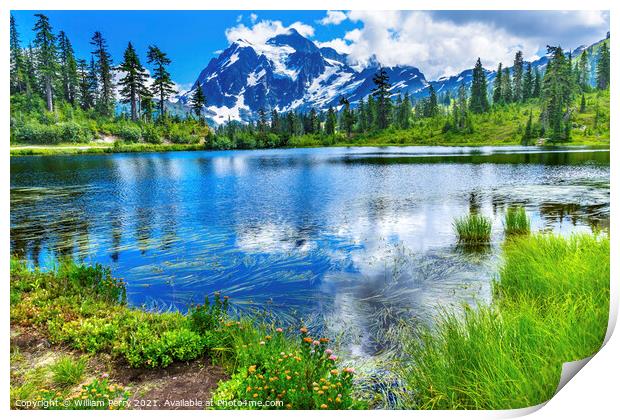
150, 134
516, 222
68, 371
473, 229
100, 394
127, 132
146, 349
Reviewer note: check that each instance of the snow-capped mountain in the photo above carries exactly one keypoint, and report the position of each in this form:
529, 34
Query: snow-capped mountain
288, 72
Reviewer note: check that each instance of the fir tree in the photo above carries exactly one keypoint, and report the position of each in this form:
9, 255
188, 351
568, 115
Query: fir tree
103, 69
162, 85
528, 134
84, 85
18, 83
536, 90
275, 122
507, 86
262, 121
68, 69
602, 68
479, 102
582, 106
431, 109
45, 47
362, 118
404, 112
556, 93
134, 80
382, 96
197, 102
347, 117
30, 75
583, 72
517, 77
497, 86
330, 122
528, 83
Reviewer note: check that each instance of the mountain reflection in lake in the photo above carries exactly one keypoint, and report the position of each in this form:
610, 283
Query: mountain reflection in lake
358, 238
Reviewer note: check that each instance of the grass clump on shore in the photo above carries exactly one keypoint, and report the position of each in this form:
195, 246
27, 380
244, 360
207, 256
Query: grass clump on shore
473, 229
83, 307
509, 354
516, 221
68, 371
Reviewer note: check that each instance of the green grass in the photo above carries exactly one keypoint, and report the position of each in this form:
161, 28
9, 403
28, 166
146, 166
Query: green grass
516, 221
473, 229
551, 305
68, 371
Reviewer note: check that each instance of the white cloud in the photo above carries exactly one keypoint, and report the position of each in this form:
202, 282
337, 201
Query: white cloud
333, 17
239, 18
253, 17
339, 44
437, 47
260, 32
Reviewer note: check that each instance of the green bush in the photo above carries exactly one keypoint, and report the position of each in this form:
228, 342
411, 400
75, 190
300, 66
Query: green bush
151, 134
127, 132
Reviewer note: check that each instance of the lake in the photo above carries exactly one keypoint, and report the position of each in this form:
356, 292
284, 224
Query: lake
353, 239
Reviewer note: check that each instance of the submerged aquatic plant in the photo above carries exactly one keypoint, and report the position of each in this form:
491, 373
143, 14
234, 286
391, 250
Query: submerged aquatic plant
473, 229
516, 221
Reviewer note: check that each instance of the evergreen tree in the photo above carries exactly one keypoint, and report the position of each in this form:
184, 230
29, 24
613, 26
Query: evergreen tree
146, 104
536, 90
431, 109
556, 94
84, 85
602, 68
68, 69
404, 113
197, 102
275, 122
162, 85
262, 121
371, 112
582, 106
479, 102
497, 86
330, 122
46, 65
528, 83
517, 77
347, 117
583, 72
30, 74
103, 70
507, 86
18, 83
134, 80
362, 117
382, 95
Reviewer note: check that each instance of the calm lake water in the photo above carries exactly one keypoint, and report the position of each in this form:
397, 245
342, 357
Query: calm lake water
352, 238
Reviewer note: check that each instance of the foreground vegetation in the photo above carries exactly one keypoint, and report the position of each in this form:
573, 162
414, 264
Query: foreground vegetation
550, 305
507, 354
83, 308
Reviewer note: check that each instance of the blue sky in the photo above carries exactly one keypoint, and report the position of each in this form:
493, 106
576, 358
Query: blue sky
438, 42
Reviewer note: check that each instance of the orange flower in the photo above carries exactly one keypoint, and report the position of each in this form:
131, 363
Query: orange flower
323, 406
303, 330
252, 369
308, 339
324, 340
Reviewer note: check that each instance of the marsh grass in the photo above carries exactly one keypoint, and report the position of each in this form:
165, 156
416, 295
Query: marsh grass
516, 221
68, 371
473, 229
509, 354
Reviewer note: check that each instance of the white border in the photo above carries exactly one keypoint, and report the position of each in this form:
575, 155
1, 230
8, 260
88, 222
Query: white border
593, 393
